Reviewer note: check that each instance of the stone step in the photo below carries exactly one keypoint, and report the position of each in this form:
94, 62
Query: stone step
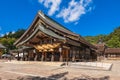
92, 65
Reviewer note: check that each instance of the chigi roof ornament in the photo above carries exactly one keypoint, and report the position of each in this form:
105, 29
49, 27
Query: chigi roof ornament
41, 14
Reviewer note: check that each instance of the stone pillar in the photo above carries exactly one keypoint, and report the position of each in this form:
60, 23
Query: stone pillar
42, 58
52, 57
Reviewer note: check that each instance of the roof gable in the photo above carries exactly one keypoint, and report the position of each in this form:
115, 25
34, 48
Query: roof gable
52, 25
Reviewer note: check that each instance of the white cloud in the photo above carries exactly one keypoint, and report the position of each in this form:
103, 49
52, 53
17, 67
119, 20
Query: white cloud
74, 10
70, 12
7, 33
53, 5
1, 35
13, 32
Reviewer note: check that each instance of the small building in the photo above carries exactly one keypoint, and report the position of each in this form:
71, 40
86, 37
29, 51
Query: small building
112, 53
53, 42
106, 52
22, 53
101, 47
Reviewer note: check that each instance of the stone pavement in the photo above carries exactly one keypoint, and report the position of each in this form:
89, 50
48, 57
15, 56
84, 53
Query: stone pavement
16, 70
91, 65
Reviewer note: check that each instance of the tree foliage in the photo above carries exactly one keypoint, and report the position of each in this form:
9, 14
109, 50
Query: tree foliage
95, 39
111, 40
16, 35
8, 39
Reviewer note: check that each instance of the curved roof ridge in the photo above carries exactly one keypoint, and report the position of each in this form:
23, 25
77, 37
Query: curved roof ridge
50, 20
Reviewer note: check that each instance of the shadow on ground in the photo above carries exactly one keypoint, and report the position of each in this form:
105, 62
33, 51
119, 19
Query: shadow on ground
60, 76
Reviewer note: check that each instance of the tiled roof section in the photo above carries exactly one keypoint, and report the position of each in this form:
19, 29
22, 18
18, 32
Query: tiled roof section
112, 50
55, 24
100, 47
64, 29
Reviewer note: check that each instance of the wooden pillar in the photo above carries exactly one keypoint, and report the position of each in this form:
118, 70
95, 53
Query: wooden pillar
76, 54
67, 52
45, 54
23, 56
79, 55
28, 56
18, 56
85, 55
52, 57
73, 56
71, 53
42, 58
61, 57
61, 54
36, 56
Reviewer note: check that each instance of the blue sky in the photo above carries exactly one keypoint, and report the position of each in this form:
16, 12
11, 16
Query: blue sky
84, 17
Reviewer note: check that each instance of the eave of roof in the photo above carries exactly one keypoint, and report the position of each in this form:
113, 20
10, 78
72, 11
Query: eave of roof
16, 42
63, 29
55, 25
44, 30
112, 50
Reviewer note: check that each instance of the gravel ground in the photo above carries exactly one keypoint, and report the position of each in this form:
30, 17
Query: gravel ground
38, 71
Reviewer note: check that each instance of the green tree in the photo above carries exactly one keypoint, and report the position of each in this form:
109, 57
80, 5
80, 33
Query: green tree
114, 42
95, 39
19, 33
8, 42
9, 39
113, 39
